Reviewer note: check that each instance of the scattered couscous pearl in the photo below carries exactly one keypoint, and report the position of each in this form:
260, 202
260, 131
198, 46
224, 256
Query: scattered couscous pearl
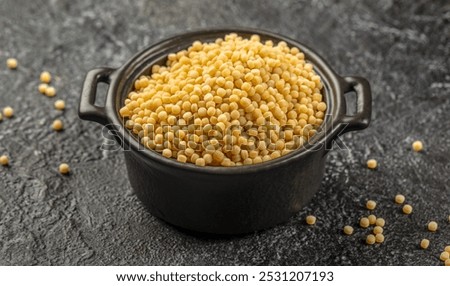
370, 239
11, 63
46, 77
447, 248
64, 168
42, 87
447, 262
8, 112
57, 125
380, 222
444, 256
417, 146
60, 104
399, 199
377, 230
310, 219
370, 205
372, 164
432, 226
407, 209
50, 91
4, 160
364, 222
424, 243
379, 238
372, 219
267, 89
348, 230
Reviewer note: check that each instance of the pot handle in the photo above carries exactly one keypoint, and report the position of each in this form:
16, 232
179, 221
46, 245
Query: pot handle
361, 119
87, 109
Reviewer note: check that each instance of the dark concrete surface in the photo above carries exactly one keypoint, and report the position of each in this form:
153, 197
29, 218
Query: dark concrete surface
92, 217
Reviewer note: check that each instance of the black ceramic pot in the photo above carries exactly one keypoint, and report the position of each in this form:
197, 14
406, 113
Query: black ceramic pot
223, 200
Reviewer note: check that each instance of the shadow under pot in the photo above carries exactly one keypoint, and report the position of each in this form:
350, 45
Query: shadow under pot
224, 200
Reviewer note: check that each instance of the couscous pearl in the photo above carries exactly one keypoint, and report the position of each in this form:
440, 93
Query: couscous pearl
364, 222
379, 238
377, 230
447, 262
167, 153
380, 222
372, 164
50, 91
348, 230
447, 248
42, 87
432, 226
370, 205
399, 199
424, 243
64, 168
57, 125
45, 77
11, 63
4, 160
407, 209
310, 219
372, 219
444, 256
370, 239
417, 146
60, 104
8, 112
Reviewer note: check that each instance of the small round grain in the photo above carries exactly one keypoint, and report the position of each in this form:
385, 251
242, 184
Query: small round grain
372, 164
407, 209
45, 77
8, 112
371, 205
424, 243
348, 230
370, 239
380, 222
417, 146
64, 168
379, 238
4, 160
377, 229
399, 199
372, 219
42, 87
11, 63
50, 91
57, 125
310, 219
432, 226
444, 256
364, 222
447, 262
60, 104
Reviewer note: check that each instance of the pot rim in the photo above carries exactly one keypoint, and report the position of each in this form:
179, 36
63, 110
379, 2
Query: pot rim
333, 91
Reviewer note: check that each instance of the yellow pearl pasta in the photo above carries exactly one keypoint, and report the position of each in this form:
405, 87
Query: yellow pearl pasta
11, 63
364, 222
379, 238
407, 209
399, 199
45, 77
50, 91
372, 219
60, 104
42, 87
424, 243
232, 102
447, 262
8, 112
372, 163
64, 168
447, 248
310, 219
4, 160
444, 256
370, 239
380, 222
377, 229
348, 230
432, 226
57, 125
417, 146
370, 205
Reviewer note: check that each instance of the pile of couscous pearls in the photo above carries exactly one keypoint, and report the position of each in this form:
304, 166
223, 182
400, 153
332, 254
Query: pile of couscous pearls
228, 103
45, 88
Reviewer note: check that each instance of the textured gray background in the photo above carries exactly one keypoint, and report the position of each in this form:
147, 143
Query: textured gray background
92, 217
